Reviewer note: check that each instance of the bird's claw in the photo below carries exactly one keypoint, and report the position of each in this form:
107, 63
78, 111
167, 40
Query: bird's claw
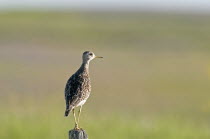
76, 127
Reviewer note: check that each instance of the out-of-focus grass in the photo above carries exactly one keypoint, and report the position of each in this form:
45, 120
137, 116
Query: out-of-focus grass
116, 30
34, 126
52, 125
152, 83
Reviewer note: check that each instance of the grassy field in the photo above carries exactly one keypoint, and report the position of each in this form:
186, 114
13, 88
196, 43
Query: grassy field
153, 82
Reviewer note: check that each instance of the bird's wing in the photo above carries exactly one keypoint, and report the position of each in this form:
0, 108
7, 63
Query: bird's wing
72, 90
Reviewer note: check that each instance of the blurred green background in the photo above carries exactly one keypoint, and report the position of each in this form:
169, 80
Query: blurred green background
153, 82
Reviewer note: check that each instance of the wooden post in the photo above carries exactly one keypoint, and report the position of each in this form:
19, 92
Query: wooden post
77, 134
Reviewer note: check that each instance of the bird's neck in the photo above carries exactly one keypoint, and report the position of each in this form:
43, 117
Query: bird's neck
85, 66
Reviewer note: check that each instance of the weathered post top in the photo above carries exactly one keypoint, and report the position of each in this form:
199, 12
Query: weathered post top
77, 134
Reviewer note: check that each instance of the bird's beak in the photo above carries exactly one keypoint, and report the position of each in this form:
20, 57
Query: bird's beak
98, 57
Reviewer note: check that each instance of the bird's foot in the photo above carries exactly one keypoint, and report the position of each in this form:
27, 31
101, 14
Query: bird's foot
76, 127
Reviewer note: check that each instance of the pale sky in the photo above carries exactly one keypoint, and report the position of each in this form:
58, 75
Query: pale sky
174, 5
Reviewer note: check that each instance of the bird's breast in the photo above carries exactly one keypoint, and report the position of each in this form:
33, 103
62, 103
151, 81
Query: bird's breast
81, 103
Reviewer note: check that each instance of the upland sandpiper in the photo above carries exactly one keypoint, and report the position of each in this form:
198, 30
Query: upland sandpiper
78, 87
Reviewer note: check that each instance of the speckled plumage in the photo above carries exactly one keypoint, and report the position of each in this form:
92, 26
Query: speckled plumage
78, 87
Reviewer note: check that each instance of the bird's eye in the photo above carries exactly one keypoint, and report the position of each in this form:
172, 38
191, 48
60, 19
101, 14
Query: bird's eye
91, 54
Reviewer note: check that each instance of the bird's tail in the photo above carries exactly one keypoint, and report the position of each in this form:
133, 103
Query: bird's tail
67, 111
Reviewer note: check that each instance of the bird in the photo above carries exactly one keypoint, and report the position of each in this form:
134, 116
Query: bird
78, 87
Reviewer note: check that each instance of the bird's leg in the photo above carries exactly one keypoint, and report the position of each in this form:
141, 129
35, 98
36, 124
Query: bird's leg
79, 112
76, 124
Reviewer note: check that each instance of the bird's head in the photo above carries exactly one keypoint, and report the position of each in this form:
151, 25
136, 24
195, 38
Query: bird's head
88, 56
